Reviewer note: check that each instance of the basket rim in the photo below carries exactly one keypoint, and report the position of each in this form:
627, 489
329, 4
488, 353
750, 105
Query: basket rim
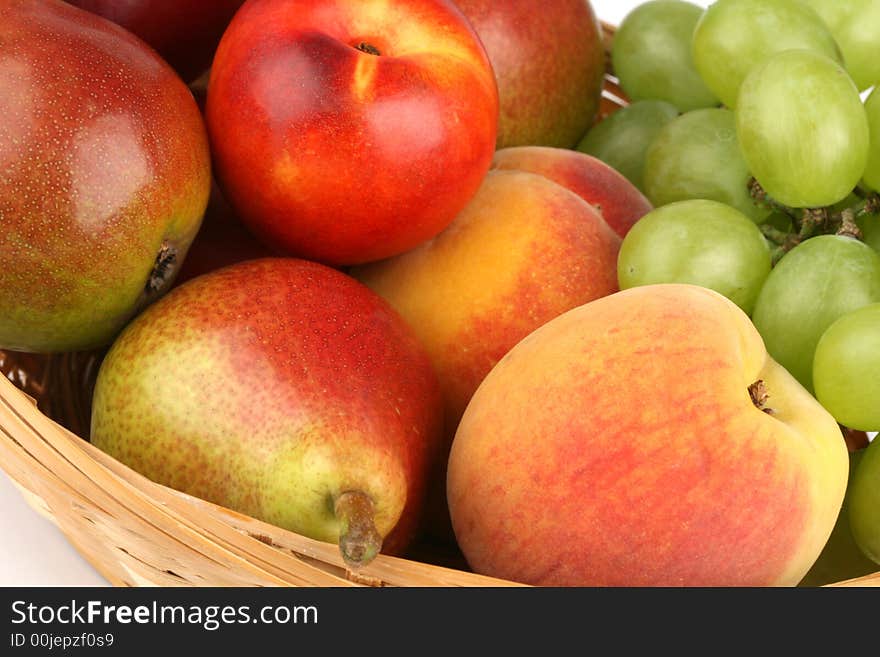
43, 458
85, 491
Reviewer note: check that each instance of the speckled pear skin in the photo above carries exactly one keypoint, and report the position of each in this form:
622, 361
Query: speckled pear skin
103, 162
549, 62
270, 387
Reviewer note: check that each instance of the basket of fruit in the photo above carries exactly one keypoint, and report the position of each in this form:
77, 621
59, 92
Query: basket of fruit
408, 295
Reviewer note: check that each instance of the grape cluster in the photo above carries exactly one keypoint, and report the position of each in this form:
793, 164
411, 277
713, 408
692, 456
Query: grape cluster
754, 130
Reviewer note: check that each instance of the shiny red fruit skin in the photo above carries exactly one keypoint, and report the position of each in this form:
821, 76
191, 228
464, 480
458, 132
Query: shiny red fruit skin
340, 155
184, 32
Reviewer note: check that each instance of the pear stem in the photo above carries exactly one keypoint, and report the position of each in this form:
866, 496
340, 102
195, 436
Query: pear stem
359, 540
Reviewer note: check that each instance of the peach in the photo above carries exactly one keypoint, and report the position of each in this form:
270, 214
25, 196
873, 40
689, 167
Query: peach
523, 251
619, 202
645, 439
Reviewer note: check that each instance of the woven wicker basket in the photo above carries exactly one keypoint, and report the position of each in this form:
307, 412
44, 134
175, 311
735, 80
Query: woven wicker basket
138, 533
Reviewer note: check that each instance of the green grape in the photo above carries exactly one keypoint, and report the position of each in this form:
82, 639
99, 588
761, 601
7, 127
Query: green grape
735, 36
803, 129
779, 220
870, 227
850, 201
846, 369
651, 55
841, 558
855, 25
871, 176
697, 156
814, 284
622, 139
864, 502
700, 242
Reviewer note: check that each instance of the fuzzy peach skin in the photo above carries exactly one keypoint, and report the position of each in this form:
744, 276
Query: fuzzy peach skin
619, 202
619, 445
522, 252
345, 132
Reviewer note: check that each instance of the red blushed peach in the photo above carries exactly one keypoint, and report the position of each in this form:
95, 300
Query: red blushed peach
619, 202
347, 132
645, 439
523, 251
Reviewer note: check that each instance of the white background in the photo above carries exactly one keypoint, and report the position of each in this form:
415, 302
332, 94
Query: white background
34, 553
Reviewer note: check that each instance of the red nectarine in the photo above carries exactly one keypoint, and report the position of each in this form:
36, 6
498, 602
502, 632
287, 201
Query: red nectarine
347, 132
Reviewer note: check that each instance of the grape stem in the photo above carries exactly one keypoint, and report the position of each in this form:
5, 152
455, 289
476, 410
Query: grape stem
808, 222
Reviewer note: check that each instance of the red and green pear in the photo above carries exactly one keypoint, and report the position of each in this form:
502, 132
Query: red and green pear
282, 389
549, 61
105, 176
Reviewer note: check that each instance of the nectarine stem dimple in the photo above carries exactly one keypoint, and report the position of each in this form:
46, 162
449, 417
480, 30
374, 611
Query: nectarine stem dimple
368, 48
359, 540
759, 395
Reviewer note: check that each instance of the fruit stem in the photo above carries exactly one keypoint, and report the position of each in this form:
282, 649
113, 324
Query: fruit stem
359, 540
368, 48
759, 396
763, 199
870, 205
163, 268
782, 241
808, 222
848, 225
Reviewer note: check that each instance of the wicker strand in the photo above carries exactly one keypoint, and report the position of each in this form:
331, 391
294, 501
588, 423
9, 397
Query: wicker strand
138, 533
